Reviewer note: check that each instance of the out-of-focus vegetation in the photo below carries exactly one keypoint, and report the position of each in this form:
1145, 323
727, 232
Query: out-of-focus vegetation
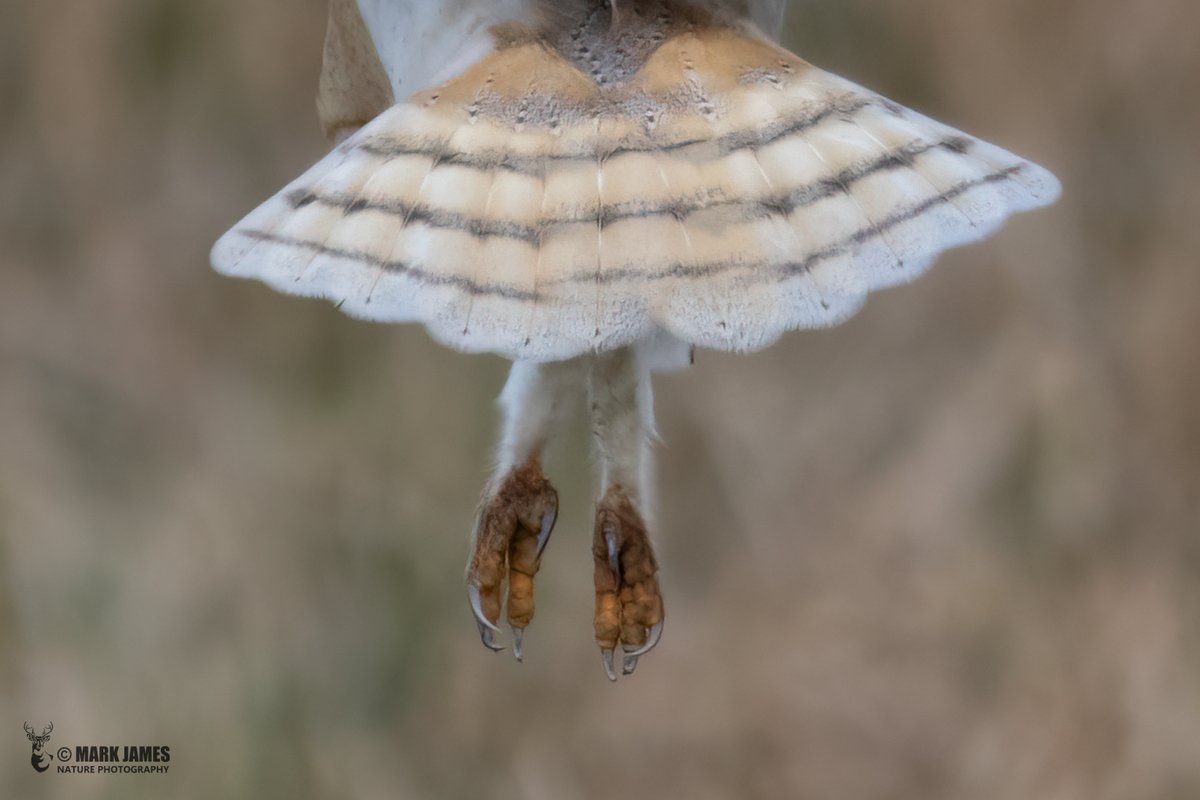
948, 550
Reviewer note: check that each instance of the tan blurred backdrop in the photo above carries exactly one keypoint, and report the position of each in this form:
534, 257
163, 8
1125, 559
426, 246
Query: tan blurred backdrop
948, 550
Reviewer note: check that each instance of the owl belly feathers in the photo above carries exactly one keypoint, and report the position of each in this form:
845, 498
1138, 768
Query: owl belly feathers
593, 180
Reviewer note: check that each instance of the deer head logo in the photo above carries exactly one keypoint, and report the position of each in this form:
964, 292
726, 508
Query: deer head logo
39, 759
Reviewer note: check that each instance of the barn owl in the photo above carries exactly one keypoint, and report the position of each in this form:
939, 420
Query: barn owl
592, 189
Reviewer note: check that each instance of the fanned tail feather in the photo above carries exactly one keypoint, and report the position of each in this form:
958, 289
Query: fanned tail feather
724, 192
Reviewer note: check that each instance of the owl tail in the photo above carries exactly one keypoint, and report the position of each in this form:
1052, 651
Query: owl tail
705, 185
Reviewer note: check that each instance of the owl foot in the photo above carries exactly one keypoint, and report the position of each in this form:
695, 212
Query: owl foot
629, 607
514, 526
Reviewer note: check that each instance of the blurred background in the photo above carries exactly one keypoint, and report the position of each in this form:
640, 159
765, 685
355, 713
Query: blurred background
948, 550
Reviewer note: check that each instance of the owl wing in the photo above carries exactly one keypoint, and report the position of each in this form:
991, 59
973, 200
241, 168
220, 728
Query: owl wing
551, 201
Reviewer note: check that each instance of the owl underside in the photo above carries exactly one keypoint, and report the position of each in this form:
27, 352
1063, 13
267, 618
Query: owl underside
586, 185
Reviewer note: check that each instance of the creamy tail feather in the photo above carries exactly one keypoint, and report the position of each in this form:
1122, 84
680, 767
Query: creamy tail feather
557, 199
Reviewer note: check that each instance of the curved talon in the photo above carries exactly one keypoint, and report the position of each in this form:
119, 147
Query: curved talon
518, 636
477, 609
651, 643
486, 626
614, 553
548, 520
607, 657
485, 636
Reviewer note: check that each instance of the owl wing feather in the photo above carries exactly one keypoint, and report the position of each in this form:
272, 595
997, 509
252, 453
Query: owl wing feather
552, 200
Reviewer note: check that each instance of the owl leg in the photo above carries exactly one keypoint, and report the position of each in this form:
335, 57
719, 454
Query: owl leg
629, 607
520, 506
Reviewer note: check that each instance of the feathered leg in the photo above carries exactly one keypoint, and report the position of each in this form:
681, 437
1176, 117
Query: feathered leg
519, 506
629, 607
